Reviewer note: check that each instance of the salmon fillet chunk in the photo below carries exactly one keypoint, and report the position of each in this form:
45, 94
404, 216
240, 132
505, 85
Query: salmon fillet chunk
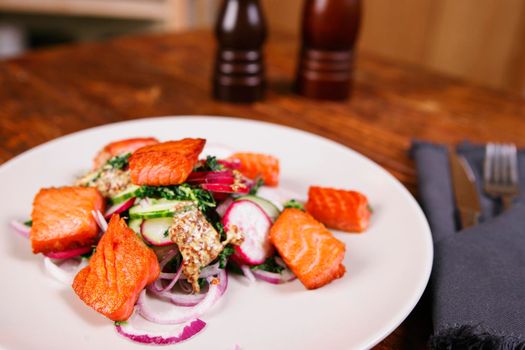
121, 147
339, 209
255, 165
311, 251
62, 218
167, 163
118, 271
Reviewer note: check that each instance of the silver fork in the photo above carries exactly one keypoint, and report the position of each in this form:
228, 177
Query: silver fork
501, 172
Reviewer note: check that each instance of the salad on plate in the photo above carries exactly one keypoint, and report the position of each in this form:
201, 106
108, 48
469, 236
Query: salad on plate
150, 235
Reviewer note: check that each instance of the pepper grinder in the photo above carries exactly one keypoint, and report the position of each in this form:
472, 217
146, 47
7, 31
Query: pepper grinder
329, 32
239, 66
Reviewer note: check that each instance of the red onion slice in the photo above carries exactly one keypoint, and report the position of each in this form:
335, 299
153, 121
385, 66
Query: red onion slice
67, 254
157, 285
119, 208
274, 278
100, 220
177, 316
158, 337
21, 228
66, 270
247, 273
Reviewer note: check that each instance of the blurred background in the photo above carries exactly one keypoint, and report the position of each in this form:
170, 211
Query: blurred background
482, 41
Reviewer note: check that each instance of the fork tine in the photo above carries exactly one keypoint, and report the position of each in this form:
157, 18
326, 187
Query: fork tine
513, 155
505, 165
497, 169
488, 165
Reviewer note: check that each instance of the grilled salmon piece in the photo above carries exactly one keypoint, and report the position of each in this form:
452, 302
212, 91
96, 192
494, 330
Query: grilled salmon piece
166, 163
339, 209
120, 147
118, 271
62, 218
308, 248
255, 165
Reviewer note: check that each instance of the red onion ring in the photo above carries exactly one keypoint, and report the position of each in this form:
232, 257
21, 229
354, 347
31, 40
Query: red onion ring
20, 228
157, 285
274, 278
100, 220
247, 273
60, 273
67, 254
127, 330
215, 291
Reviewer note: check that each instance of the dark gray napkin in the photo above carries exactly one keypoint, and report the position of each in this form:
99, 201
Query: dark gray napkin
478, 278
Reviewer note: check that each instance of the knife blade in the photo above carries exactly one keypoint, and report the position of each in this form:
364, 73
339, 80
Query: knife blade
465, 192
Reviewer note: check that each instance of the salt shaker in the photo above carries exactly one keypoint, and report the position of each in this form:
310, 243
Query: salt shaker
239, 65
329, 32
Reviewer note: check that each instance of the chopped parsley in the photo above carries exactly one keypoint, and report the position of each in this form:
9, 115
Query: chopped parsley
269, 265
225, 255
28, 223
255, 188
203, 199
119, 162
210, 164
292, 203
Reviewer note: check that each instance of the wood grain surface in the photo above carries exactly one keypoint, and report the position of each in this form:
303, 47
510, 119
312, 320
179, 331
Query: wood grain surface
54, 92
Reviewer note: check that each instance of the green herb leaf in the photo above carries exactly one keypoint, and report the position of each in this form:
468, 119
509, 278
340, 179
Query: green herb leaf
255, 188
269, 265
29, 223
119, 162
292, 203
211, 164
225, 255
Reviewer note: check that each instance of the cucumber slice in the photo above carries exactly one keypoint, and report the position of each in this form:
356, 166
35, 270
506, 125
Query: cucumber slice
155, 231
128, 193
134, 224
269, 208
160, 208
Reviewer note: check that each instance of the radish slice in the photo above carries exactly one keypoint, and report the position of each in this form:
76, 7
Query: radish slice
21, 228
221, 209
66, 270
100, 220
155, 231
119, 208
67, 254
274, 278
177, 316
253, 222
130, 330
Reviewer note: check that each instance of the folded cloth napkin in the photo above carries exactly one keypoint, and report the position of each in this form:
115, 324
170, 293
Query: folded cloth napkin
478, 278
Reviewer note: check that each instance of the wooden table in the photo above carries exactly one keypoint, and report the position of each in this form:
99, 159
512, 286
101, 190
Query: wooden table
50, 93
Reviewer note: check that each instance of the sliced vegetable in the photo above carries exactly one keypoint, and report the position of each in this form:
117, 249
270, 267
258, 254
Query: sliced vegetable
21, 228
119, 208
158, 337
128, 193
222, 188
155, 231
100, 220
65, 270
67, 254
269, 208
177, 316
135, 224
255, 224
157, 208
273, 277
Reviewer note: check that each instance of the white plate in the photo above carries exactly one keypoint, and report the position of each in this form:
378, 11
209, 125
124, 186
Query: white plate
387, 267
